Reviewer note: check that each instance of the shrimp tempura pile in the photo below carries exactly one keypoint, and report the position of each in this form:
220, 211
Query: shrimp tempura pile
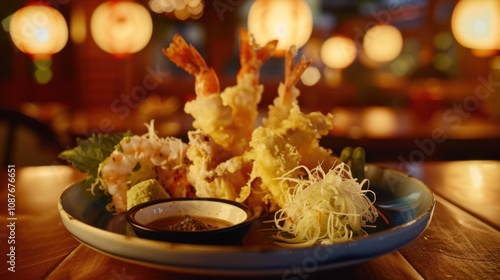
230, 157
227, 117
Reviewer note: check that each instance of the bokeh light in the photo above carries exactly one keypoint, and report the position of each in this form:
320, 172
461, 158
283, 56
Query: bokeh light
288, 21
379, 122
338, 52
443, 40
311, 76
121, 28
38, 30
382, 43
180, 9
78, 25
476, 24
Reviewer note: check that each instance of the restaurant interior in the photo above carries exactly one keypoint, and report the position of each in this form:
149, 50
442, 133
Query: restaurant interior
408, 80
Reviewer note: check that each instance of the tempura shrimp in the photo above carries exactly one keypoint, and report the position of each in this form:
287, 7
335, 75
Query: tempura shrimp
244, 97
287, 91
303, 130
288, 138
138, 158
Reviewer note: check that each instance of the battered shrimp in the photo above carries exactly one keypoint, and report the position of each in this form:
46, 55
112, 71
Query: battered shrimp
139, 158
287, 92
245, 96
287, 139
302, 130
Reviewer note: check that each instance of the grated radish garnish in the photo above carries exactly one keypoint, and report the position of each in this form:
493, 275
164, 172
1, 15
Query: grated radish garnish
323, 208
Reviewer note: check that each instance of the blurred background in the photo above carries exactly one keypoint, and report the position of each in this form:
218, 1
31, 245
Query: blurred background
408, 80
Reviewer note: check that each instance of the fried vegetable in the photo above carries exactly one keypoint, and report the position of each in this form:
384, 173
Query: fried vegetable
358, 163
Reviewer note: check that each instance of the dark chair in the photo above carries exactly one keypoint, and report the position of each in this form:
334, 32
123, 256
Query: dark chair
27, 141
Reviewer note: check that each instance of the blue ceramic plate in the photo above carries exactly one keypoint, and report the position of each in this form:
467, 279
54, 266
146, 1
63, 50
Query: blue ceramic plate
406, 202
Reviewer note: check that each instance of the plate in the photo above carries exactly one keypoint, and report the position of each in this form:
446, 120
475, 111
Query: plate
405, 201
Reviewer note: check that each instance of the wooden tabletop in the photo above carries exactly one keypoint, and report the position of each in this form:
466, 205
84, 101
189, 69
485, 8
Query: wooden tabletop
462, 241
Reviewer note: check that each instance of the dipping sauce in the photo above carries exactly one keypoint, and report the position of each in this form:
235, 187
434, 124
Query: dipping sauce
188, 223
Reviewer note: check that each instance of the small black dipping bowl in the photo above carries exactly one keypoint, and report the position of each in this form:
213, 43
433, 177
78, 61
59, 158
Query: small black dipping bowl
239, 215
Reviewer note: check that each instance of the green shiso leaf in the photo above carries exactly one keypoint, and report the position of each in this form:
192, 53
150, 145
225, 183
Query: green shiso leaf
90, 152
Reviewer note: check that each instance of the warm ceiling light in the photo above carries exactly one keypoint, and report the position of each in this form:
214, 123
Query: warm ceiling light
476, 24
38, 30
121, 27
288, 21
338, 52
383, 43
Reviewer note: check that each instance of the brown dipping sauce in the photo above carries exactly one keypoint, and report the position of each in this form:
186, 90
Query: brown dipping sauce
188, 223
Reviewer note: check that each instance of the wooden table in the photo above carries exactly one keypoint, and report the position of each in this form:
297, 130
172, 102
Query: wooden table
462, 241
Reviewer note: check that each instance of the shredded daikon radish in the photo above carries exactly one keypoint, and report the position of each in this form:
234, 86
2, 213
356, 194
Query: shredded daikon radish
323, 208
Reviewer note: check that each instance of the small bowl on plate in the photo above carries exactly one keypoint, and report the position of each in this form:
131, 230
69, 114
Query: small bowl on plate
191, 220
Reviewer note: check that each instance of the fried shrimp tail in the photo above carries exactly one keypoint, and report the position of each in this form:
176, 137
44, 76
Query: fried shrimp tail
252, 57
287, 91
293, 73
186, 56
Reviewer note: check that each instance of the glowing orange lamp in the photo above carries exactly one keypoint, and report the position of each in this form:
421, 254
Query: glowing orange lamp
476, 24
288, 21
383, 43
39, 31
338, 52
121, 27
